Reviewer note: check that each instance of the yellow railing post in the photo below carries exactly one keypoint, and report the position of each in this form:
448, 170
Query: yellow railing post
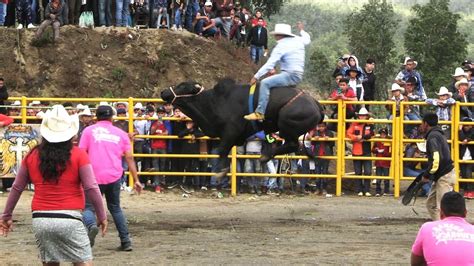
23, 110
397, 135
233, 172
130, 130
340, 147
455, 118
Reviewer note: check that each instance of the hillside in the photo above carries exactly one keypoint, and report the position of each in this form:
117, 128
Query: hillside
114, 63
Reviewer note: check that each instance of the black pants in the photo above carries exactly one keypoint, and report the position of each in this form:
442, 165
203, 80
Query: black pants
363, 167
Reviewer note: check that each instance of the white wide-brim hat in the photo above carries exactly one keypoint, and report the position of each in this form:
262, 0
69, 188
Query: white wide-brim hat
124, 103
396, 87
138, 106
58, 125
461, 81
85, 111
444, 91
282, 29
421, 146
363, 111
459, 72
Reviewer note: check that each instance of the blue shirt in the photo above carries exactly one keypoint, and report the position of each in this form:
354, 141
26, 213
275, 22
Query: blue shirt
290, 52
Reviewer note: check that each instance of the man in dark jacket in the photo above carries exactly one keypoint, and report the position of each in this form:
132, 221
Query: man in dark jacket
440, 168
369, 81
3, 96
466, 152
258, 39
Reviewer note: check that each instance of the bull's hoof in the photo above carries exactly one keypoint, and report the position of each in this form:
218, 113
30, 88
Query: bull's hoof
265, 158
222, 173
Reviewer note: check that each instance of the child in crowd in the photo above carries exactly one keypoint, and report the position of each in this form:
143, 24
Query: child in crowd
382, 167
359, 133
253, 146
322, 147
158, 146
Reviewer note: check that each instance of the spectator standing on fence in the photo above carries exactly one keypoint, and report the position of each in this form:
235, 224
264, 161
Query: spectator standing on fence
466, 152
448, 241
397, 97
106, 144
258, 40
443, 105
382, 168
360, 133
408, 72
62, 174
369, 80
345, 93
440, 168
464, 94
457, 76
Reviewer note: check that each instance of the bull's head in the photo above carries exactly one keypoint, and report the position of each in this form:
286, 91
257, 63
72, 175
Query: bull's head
185, 89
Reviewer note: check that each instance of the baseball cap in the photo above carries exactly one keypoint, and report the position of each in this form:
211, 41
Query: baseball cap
121, 111
104, 112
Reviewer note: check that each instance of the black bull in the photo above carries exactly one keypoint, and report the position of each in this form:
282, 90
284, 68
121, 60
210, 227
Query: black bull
219, 113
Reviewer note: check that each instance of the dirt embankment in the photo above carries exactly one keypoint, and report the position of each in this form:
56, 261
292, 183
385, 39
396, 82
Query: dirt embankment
114, 62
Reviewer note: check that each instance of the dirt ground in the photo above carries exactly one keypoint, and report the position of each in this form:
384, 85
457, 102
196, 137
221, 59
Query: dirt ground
170, 229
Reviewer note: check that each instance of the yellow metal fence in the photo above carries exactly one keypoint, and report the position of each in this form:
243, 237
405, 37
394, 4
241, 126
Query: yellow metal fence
397, 142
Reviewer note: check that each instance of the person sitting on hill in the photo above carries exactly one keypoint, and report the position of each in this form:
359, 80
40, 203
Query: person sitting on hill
205, 25
290, 52
54, 17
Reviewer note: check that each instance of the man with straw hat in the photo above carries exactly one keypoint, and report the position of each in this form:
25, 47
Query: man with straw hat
290, 52
457, 76
443, 108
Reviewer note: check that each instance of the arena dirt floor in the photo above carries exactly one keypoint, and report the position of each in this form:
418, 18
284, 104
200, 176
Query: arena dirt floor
202, 229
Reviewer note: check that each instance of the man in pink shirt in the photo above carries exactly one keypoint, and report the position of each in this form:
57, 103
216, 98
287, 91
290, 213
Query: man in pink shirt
449, 241
106, 145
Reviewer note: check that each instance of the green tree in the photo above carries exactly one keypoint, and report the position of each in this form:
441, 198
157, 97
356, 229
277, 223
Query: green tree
371, 31
433, 39
269, 7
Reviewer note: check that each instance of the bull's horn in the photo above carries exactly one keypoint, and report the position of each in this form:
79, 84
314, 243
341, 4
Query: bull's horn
198, 86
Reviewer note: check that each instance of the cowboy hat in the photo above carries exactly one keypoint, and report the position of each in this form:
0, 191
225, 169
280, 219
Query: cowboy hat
462, 81
409, 58
107, 104
138, 106
58, 125
444, 91
421, 146
16, 103
396, 87
34, 103
124, 103
363, 111
459, 72
86, 111
282, 29
208, 3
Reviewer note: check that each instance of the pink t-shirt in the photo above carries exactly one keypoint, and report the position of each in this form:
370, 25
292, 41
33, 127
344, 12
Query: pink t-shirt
106, 144
446, 242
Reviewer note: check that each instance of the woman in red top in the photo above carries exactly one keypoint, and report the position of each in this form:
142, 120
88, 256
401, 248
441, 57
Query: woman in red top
61, 174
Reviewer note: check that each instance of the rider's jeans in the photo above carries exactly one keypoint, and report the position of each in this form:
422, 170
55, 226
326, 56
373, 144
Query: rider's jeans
279, 80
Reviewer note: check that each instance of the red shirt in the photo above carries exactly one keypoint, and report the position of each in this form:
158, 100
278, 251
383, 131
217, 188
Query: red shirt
5, 119
349, 94
159, 143
67, 193
381, 150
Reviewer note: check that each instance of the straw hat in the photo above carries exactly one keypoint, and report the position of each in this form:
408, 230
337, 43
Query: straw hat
462, 81
444, 91
58, 125
139, 106
16, 103
459, 72
282, 29
421, 146
34, 103
124, 103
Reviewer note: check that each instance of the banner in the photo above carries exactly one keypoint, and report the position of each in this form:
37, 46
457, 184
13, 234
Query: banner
16, 141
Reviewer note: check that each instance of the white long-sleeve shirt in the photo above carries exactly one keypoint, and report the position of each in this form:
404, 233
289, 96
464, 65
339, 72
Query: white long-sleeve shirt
290, 52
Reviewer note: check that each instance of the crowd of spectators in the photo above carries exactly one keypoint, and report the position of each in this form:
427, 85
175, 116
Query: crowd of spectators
209, 18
